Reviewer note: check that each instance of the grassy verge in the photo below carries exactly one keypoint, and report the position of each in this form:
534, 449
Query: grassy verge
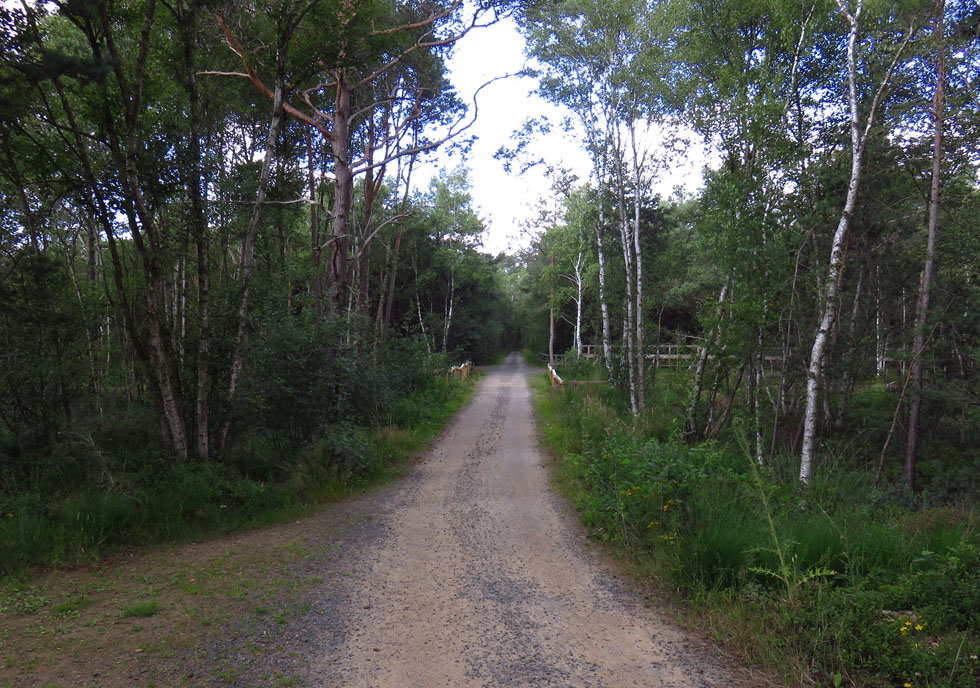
206, 612
841, 586
195, 615
154, 500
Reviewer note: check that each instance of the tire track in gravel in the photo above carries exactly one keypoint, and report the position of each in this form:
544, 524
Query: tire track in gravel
471, 572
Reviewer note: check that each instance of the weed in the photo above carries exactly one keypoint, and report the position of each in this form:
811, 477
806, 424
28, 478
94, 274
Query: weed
806, 586
70, 607
22, 600
143, 608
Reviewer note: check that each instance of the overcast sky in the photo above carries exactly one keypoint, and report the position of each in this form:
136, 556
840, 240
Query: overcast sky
505, 200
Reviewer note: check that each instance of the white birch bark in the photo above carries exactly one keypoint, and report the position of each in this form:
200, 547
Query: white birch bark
859, 142
579, 279
638, 256
603, 302
450, 305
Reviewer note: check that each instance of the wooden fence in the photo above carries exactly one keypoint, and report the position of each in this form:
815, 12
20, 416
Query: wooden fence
460, 372
555, 378
666, 355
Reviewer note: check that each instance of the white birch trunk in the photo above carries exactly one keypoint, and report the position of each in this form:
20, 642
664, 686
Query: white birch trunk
641, 350
880, 335
603, 303
859, 141
578, 302
626, 241
450, 305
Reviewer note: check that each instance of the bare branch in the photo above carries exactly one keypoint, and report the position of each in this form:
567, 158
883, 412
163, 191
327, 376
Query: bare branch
885, 81
211, 73
432, 18
298, 201
369, 237
239, 50
453, 133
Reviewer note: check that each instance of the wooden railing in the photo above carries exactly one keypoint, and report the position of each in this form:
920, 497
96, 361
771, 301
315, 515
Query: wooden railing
666, 355
675, 355
460, 372
555, 378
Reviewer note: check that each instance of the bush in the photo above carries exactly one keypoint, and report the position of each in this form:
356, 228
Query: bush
844, 581
311, 427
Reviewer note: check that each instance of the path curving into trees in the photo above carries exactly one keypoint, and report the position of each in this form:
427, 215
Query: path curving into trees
472, 573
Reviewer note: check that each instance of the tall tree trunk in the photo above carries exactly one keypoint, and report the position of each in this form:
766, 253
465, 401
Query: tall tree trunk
370, 194
603, 302
692, 407
248, 254
162, 362
626, 240
187, 18
850, 375
859, 142
390, 295
450, 307
551, 317
880, 334
343, 195
89, 339
315, 248
579, 287
922, 306
640, 348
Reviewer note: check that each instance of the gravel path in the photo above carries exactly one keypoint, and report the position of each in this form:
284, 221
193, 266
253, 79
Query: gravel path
472, 573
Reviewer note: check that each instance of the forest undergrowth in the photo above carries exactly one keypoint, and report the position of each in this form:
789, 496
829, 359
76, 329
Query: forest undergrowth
310, 433
843, 584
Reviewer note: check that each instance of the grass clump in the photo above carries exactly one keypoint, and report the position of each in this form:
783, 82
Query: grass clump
847, 586
141, 609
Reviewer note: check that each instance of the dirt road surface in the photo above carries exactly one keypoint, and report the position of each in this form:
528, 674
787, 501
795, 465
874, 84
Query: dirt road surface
474, 574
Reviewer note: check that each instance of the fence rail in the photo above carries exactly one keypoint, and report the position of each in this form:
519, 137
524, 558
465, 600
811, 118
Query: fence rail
669, 355
457, 372
555, 378
679, 355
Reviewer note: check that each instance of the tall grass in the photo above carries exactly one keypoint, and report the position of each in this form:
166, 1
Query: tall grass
130, 492
816, 585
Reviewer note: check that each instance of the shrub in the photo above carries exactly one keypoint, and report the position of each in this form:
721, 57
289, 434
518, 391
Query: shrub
845, 582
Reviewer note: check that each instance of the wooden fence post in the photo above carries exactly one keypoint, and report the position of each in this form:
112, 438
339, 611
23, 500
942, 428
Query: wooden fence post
556, 380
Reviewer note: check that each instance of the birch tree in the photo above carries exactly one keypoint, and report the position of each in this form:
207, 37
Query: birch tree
859, 133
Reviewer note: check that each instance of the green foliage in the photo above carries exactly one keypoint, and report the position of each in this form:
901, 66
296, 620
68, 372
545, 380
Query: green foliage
573, 368
141, 609
117, 486
849, 591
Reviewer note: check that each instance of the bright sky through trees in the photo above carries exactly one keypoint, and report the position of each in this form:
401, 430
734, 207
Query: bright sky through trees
506, 200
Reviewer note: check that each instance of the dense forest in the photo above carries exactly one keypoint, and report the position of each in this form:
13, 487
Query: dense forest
221, 282
216, 269
831, 245
789, 433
